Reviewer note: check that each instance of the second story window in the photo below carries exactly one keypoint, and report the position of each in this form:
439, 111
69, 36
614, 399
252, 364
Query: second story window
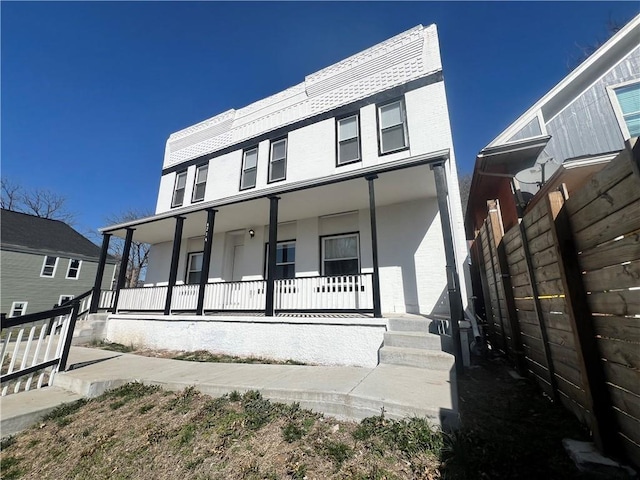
49, 266
278, 161
348, 140
392, 127
249, 168
178, 189
200, 183
74, 268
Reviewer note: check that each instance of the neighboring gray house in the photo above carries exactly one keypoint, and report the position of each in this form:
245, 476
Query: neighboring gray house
44, 262
571, 132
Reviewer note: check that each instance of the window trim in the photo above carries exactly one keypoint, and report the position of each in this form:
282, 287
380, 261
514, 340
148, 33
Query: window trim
359, 135
405, 124
175, 185
345, 234
67, 277
266, 256
68, 297
286, 154
187, 271
13, 307
617, 109
55, 267
195, 184
243, 169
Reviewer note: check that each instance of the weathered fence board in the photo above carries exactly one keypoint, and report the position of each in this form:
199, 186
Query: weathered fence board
601, 182
620, 195
623, 328
618, 223
620, 302
623, 377
627, 248
614, 277
617, 351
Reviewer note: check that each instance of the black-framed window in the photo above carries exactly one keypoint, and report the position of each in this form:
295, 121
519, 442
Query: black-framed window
249, 168
194, 267
73, 271
200, 183
348, 139
392, 127
285, 259
341, 254
278, 160
49, 266
178, 189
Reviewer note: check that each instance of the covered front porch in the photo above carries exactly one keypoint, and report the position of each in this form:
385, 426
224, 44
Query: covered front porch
348, 233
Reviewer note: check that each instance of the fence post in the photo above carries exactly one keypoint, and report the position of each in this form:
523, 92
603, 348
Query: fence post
62, 366
592, 371
538, 310
503, 269
494, 221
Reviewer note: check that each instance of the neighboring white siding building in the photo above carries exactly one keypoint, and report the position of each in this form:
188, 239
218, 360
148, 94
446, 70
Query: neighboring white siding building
300, 170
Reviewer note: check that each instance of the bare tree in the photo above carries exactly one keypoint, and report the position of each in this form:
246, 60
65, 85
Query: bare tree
11, 194
464, 182
39, 202
139, 253
613, 26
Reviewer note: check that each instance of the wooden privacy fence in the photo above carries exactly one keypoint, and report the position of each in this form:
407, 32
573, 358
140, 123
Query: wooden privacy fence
562, 299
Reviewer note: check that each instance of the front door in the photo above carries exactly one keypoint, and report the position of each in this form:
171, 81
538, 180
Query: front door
238, 251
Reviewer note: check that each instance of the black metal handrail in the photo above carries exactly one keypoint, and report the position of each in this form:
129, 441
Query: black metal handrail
77, 298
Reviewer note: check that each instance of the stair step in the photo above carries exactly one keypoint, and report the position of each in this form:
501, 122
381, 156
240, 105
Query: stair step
420, 340
409, 324
414, 357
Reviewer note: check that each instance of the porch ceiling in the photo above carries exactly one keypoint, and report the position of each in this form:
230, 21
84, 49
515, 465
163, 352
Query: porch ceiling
390, 187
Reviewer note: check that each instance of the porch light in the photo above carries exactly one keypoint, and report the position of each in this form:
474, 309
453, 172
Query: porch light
252, 232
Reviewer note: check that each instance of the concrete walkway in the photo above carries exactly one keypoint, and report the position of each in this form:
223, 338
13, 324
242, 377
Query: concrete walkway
343, 392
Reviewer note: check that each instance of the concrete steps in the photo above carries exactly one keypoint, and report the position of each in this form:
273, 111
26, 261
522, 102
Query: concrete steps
409, 343
422, 340
90, 328
416, 357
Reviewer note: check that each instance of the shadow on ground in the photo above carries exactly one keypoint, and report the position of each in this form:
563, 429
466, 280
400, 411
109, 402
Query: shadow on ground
509, 429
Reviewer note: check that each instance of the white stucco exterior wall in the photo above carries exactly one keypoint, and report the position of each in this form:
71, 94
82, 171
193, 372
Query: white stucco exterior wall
324, 341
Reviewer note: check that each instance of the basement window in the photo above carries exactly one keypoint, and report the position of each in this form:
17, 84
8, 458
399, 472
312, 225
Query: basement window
18, 309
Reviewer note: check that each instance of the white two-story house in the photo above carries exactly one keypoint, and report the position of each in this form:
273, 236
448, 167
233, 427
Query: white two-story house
336, 199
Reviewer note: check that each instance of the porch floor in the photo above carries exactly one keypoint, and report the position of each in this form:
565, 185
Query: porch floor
291, 314
344, 392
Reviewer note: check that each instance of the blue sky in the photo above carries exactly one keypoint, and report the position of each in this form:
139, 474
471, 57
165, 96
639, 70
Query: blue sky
91, 91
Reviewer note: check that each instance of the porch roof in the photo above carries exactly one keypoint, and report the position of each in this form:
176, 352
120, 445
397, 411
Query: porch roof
399, 181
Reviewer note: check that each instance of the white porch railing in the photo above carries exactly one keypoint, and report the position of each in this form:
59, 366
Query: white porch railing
106, 299
342, 292
184, 297
235, 295
142, 299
